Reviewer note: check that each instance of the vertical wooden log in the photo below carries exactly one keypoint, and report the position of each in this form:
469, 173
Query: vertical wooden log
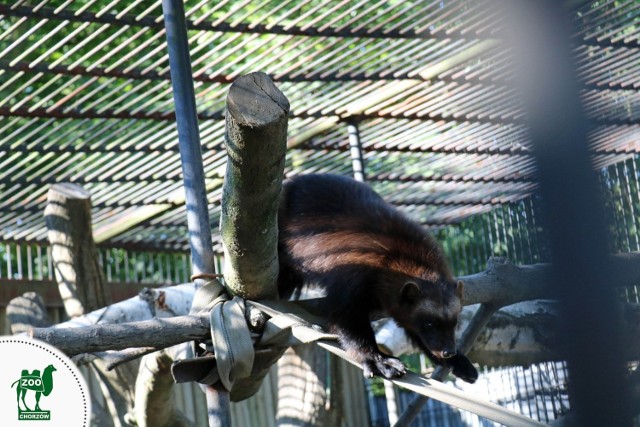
74, 253
26, 312
256, 140
80, 281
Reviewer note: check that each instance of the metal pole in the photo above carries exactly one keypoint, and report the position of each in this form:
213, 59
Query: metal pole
582, 276
357, 160
357, 165
202, 256
189, 138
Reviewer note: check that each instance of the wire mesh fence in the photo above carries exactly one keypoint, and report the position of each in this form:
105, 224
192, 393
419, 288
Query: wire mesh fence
516, 232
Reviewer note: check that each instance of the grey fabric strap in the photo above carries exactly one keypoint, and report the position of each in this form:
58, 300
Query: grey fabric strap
232, 343
439, 391
230, 339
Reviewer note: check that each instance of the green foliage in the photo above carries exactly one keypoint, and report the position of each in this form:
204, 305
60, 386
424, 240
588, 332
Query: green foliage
621, 189
511, 231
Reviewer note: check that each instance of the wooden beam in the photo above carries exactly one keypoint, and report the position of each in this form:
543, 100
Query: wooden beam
255, 137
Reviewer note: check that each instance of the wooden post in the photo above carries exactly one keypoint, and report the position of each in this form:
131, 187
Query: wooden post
26, 312
80, 281
75, 256
256, 140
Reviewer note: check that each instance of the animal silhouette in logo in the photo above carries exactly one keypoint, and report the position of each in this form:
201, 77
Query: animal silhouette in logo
40, 384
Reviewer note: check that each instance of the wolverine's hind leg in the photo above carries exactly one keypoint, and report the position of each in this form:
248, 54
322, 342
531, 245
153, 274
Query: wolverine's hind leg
358, 340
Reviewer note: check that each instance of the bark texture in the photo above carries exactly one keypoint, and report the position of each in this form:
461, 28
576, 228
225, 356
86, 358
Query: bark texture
256, 142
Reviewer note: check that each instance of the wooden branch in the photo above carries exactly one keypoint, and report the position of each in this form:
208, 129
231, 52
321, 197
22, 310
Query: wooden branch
504, 283
484, 286
520, 334
75, 256
154, 403
158, 333
256, 141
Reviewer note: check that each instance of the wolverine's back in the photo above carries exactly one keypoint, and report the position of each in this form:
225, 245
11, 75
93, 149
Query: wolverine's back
331, 221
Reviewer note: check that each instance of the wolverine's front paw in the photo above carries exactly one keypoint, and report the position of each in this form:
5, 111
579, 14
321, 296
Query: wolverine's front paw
383, 366
462, 368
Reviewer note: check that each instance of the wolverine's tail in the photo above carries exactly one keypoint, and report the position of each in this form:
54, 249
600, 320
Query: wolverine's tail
16, 382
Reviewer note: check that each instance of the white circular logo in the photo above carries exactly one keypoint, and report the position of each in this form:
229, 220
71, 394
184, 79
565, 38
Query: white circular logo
40, 385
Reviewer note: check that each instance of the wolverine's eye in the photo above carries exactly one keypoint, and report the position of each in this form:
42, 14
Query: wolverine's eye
428, 325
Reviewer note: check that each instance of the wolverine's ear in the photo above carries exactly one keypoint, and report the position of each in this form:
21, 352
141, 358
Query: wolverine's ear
460, 289
410, 293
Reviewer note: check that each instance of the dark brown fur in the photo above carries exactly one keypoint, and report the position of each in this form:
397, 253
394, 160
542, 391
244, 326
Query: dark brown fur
339, 236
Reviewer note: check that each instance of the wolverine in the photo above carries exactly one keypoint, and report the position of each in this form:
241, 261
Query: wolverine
339, 237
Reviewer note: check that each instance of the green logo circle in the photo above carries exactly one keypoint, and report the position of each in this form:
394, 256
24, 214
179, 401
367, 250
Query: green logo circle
39, 383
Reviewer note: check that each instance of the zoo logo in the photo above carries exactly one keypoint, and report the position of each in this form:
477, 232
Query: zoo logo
40, 385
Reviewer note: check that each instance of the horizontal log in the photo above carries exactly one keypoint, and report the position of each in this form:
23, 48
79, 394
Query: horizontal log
48, 289
504, 283
157, 333
520, 334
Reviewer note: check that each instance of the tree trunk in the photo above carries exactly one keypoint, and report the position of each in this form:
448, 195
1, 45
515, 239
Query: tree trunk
74, 253
256, 143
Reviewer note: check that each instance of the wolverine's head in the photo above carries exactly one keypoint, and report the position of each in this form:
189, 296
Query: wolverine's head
429, 313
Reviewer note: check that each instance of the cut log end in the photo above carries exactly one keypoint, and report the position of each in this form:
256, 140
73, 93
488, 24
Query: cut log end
69, 190
254, 101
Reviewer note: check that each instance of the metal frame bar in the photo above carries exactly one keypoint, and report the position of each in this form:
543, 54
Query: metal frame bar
202, 256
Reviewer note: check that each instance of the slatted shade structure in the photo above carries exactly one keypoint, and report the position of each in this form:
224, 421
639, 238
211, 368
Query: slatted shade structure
86, 98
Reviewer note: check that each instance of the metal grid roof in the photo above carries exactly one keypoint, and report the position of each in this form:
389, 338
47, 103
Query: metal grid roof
86, 97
